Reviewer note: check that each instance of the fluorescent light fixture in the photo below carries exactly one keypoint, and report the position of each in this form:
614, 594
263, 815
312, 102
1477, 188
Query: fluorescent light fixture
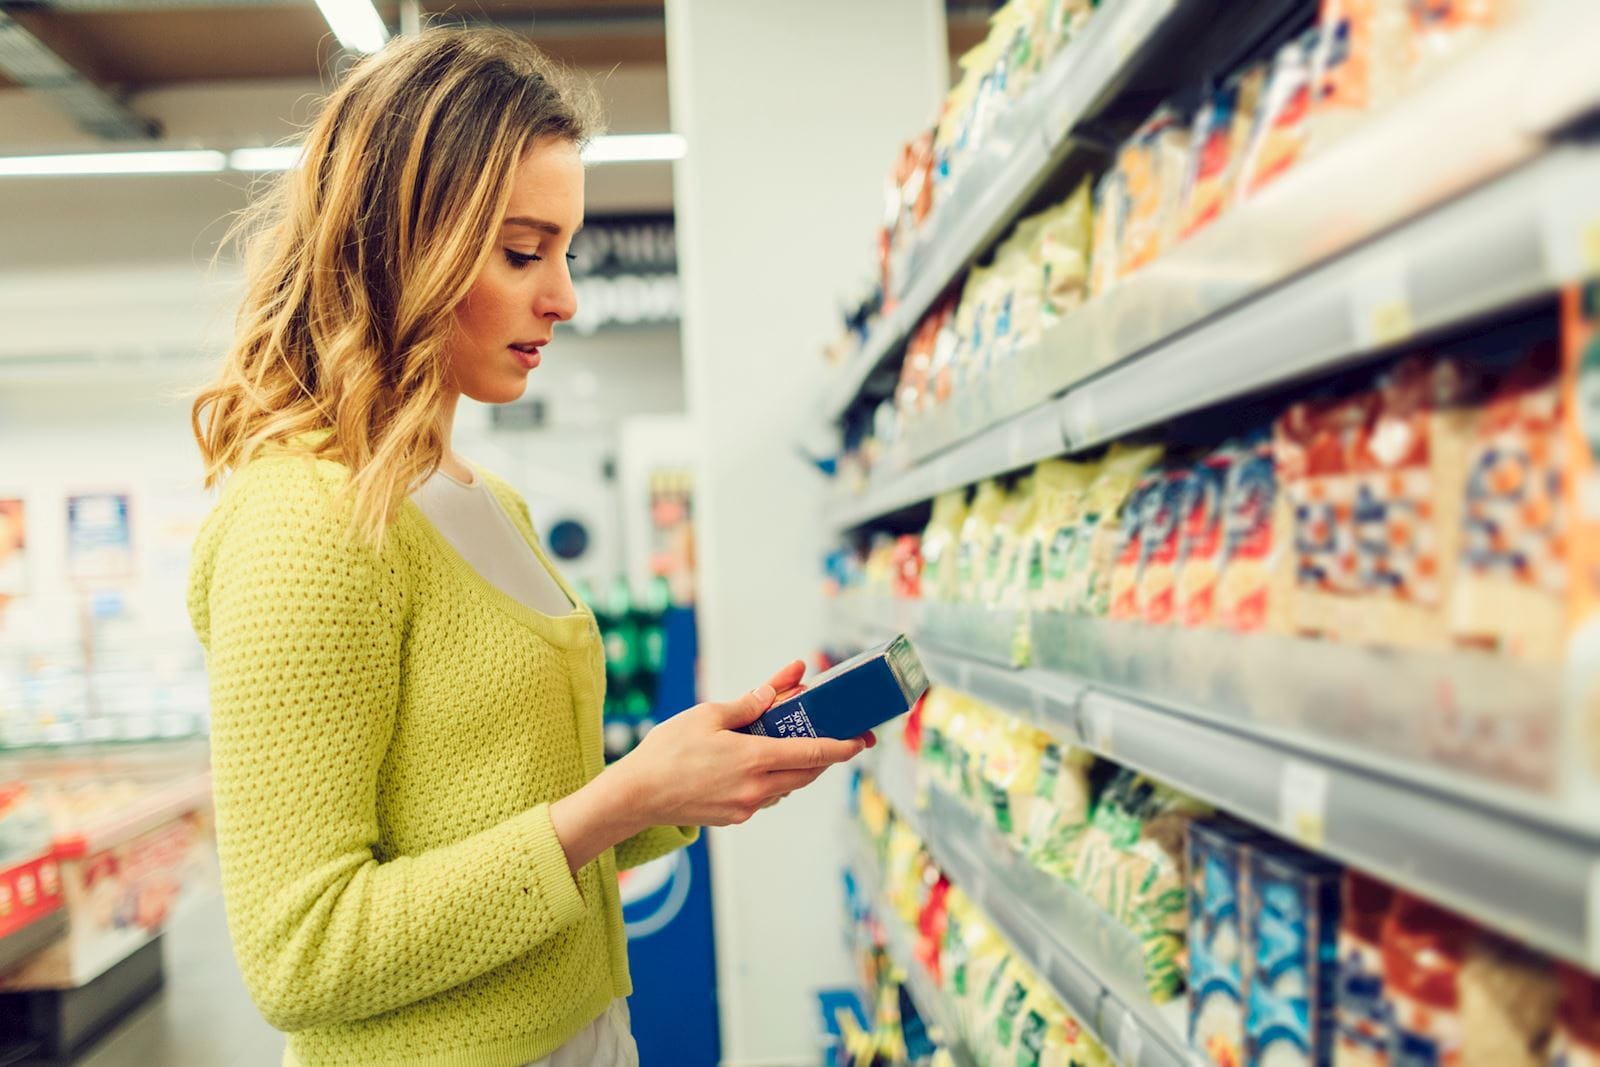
356, 23
636, 148
277, 157
172, 162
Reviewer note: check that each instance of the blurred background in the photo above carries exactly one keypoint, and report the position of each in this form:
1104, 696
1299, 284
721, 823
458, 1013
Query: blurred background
1206, 388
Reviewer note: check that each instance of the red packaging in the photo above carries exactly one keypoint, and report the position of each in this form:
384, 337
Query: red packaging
1202, 534
907, 579
1577, 1037
1424, 949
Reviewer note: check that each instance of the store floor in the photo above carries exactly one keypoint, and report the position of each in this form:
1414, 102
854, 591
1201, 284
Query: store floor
203, 1017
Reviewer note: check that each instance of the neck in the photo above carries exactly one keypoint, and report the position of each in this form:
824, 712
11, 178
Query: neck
451, 463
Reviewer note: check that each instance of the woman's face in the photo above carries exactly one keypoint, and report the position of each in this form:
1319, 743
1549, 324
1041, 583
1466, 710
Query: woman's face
525, 288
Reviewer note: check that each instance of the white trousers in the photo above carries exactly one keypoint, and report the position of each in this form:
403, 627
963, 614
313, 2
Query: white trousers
606, 1042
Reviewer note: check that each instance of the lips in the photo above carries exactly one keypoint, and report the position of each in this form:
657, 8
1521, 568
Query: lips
527, 353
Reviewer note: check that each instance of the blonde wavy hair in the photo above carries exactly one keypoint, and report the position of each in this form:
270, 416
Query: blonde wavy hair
356, 261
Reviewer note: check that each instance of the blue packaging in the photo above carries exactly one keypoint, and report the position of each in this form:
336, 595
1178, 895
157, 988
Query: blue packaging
1294, 947
1219, 891
862, 692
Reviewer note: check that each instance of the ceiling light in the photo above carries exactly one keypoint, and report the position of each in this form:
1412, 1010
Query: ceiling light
180, 162
636, 148
278, 157
356, 23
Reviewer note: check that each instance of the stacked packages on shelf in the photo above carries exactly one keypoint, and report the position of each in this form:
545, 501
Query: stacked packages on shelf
1178, 173
1287, 958
1436, 504
1003, 1011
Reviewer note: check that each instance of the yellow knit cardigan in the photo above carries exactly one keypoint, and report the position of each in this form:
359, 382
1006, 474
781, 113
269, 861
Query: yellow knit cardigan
388, 731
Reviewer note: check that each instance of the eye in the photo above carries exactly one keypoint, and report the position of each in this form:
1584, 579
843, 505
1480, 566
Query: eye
518, 260
571, 258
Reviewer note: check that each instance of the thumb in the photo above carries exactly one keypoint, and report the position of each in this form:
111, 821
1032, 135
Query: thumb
737, 714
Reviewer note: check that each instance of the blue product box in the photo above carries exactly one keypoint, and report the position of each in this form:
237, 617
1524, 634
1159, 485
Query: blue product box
862, 692
1219, 891
1294, 945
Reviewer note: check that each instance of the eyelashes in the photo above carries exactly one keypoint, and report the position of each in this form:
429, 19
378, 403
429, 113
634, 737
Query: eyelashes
522, 259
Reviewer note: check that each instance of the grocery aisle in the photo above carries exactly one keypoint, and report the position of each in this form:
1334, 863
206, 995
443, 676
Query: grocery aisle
202, 1017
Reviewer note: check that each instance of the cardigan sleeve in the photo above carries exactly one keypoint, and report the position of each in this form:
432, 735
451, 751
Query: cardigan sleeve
304, 629
653, 844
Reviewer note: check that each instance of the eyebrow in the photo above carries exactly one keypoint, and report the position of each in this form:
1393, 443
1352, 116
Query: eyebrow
535, 224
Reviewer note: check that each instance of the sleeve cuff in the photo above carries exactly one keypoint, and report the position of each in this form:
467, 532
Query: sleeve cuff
555, 889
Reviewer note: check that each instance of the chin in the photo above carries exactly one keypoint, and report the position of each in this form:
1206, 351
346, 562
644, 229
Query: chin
505, 392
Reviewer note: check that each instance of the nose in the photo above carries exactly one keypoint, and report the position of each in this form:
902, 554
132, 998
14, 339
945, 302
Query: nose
557, 300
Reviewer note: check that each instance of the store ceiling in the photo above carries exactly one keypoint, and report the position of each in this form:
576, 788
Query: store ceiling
128, 46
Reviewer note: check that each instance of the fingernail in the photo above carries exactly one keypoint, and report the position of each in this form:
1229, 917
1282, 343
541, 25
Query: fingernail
765, 694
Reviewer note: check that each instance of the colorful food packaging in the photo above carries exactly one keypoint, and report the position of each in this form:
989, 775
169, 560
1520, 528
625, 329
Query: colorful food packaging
907, 565
1364, 51
1580, 337
1107, 507
1280, 132
1576, 1042
1509, 996
1063, 488
1256, 580
1111, 209
1315, 445
1410, 473
1131, 863
976, 533
1363, 1014
1154, 164
940, 541
1424, 948
1442, 29
1219, 965
1293, 939
1511, 591
1003, 561
1062, 801
1201, 553
1148, 518
1218, 142
1064, 246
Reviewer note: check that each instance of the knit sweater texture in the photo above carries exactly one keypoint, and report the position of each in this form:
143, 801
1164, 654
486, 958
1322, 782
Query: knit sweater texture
388, 732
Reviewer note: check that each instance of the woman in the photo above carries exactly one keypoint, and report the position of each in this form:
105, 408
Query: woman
419, 840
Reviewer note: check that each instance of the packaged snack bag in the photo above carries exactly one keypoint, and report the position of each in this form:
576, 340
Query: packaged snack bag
1063, 489
939, 543
1293, 937
1218, 142
1064, 20
1280, 133
1146, 507
1011, 774
1424, 947
1511, 590
1154, 164
1162, 537
1410, 478
1064, 254
1256, 577
1060, 818
1363, 60
1576, 1042
1364, 1032
1219, 965
1110, 218
1509, 996
1131, 863
1314, 446
1201, 553
1107, 506
1443, 29
907, 563
1580, 337
976, 533
1001, 561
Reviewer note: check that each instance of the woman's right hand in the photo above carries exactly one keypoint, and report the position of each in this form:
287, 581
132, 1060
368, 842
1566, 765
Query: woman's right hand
695, 770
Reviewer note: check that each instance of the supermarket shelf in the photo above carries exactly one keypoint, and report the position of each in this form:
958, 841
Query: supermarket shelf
929, 999
1030, 141
1529, 878
150, 811
1524, 234
17, 946
1476, 212
1031, 911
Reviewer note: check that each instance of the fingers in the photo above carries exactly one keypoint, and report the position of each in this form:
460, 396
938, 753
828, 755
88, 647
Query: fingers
785, 754
788, 678
789, 694
869, 739
782, 783
737, 714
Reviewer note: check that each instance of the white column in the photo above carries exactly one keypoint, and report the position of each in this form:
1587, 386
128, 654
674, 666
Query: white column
794, 114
